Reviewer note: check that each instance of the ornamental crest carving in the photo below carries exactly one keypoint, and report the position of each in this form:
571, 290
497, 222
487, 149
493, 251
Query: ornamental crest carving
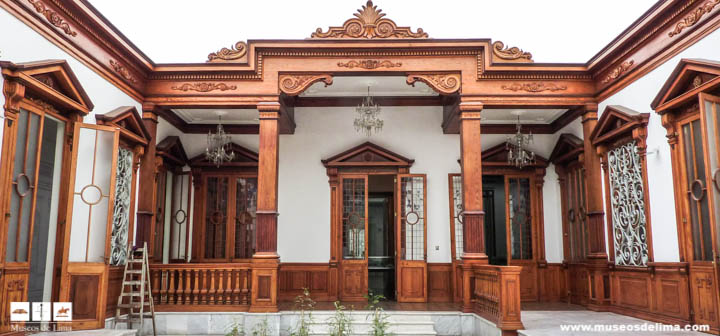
510, 53
204, 87
369, 64
442, 83
369, 22
225, 54
534, 87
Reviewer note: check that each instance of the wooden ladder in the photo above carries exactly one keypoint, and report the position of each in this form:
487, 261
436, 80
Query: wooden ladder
137, 282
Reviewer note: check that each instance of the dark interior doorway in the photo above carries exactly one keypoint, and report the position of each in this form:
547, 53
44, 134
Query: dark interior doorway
494, 207
381, 235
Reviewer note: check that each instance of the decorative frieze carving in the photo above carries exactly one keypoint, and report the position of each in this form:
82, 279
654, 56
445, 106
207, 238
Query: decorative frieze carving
442, 83
369, 64
204, 87
508, 53
534, 87
694, 17
45, 106
293, 85
619, 70
369, 22
122, 71
225, 54
52, 17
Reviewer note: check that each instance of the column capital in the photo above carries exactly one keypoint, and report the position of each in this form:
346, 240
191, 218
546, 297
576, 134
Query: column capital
590, 112
269, 110
150, 111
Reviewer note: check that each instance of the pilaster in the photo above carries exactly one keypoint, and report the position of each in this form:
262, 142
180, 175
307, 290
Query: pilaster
148, 172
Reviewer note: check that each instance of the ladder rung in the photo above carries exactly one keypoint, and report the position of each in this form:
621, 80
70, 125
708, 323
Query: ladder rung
133, 305
132, 294
134, 272
132, 282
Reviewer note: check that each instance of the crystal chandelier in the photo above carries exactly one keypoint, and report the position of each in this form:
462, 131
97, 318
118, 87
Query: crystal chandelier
518, 155
218, 145
368, 116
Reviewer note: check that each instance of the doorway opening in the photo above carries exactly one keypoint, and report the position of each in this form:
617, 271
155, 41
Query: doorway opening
495, 222
381, 235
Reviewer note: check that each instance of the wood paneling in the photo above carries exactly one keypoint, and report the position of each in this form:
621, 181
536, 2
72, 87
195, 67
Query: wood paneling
353, 280
294, 277
552, 283
115, 277
440, 282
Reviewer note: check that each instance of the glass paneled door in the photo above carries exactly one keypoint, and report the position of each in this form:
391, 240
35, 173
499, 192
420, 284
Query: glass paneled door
411, 239
354, 224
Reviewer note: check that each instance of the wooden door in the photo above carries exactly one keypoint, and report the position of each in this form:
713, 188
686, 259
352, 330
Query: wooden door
411, 239
90, 214
354, 222
179, 200
520, 233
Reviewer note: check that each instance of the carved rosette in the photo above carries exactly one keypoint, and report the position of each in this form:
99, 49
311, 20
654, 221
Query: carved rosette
369, 22
122, 71
618, 71
225, 54
369, 64
507, 53
694, 17
53, 17
204, 87
534, 87
293, 85
442, 83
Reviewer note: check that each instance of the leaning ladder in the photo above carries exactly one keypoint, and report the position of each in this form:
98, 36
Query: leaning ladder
136, 289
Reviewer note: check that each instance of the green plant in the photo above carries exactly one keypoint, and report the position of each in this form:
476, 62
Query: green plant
340, 323
305, 304
235, 329
261, 329
380, 323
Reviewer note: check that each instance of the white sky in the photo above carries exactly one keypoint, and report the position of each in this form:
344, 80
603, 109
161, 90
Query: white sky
171, 31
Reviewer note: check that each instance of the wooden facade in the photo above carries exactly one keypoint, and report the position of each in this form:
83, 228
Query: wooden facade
228, 259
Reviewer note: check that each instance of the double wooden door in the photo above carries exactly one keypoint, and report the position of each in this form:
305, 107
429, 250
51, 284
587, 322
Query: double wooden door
410, 245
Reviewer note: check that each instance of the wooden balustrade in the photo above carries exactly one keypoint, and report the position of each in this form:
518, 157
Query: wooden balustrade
496, 295
207, 287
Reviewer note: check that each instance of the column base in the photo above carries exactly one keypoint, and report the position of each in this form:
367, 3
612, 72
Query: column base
264, 285
599, 279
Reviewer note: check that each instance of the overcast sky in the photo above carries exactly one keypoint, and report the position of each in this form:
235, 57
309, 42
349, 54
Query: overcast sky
170, 31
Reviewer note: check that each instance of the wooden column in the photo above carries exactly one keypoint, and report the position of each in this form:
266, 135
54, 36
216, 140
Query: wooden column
473, 215
598, 272
266, 260
148, 170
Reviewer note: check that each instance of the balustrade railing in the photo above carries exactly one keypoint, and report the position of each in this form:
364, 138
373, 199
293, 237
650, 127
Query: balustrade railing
496, 295
179, 285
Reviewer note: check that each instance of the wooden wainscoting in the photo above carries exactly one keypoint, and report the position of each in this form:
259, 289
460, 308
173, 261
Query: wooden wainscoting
552, 282
115, 277
440, 278
293, 277
658, 293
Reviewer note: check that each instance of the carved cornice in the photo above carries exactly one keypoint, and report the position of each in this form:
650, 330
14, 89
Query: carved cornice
369, 22
122, 71
508, 53
694, 17
369, 64
204, 87
442, 83
293, 85
619, 70
52, 17
534, 87
225, 54
43, 104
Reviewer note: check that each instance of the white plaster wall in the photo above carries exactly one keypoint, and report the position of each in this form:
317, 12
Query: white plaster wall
638, 96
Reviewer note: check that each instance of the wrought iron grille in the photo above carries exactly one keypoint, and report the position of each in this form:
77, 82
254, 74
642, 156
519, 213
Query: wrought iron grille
412, 211
457, 204
121, 209
353, 220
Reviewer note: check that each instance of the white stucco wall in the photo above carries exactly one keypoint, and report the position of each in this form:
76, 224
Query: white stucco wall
638, 96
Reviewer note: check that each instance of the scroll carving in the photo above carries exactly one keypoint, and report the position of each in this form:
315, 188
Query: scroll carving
225, 54
618, 71
293, 85
369, 22
534, 87
694, 17
508, 53
53, 17
204, 87
369, 64
442, 83
123, 71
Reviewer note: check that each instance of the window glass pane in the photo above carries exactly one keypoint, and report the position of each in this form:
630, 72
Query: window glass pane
353, 220
216, 217
412, 217
245, 217
457, 214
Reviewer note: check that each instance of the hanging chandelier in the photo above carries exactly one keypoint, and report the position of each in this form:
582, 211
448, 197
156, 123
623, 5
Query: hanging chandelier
368, 119
218, 145
518, 155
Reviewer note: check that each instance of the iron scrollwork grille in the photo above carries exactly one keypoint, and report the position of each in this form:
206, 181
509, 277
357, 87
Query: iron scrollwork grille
627, 199
121, 209
457, 204
353, 218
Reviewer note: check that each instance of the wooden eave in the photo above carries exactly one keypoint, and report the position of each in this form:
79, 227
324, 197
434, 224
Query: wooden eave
568, 147
679, 87
172, 150
243, 158
60, 85
128, 120
617, 121
366, 154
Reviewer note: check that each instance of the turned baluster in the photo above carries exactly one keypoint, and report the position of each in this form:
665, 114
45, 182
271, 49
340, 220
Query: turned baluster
220, 286
245, 288
163, 284
228, 287
196, 287
212, 287
179, 292
187, 286
171, 289
204, 287
156, 274
236, 288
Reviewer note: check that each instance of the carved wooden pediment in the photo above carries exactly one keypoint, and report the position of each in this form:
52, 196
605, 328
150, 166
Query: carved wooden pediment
243, 158
368, 23
689, 74
172, 151
367, 154
617, 121
53, 80
567, 148
498, 156
127, 118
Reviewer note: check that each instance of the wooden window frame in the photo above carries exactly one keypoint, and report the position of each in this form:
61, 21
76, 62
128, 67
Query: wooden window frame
170, 156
